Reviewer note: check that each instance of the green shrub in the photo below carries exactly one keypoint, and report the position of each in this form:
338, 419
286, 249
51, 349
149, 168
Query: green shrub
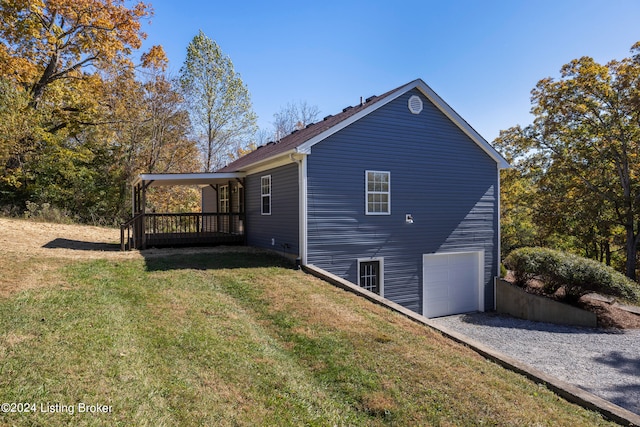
503, 270
578, 276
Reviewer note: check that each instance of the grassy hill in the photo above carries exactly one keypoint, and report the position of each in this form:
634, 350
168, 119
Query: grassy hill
235, 339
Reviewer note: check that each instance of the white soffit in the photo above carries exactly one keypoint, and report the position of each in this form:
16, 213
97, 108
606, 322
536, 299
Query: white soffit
202, 179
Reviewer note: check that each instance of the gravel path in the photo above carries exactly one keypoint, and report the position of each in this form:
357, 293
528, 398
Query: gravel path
603, 362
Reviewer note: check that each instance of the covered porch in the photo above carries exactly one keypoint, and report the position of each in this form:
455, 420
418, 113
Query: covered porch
220, 224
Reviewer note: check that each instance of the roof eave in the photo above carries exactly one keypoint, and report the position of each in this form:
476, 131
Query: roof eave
270, 162
305, 147
202, 178
460, 122
435, 99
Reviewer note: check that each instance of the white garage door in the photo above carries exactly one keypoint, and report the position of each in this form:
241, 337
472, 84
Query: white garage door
452, 283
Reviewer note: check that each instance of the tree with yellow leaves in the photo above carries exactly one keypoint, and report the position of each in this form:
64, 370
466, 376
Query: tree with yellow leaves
45, 41
582, 153
57, 58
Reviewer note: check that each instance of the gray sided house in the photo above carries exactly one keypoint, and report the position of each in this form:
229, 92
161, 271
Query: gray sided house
397, 194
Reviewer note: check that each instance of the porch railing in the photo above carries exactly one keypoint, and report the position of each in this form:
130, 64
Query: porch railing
131, 234
168, 229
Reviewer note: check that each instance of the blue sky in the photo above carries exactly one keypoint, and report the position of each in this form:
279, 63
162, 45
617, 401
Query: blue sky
482, 57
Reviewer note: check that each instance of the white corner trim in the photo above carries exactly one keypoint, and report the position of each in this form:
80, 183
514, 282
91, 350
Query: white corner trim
499, 245
302, 206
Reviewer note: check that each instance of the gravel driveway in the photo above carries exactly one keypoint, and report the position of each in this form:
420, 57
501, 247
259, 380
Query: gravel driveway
603, 362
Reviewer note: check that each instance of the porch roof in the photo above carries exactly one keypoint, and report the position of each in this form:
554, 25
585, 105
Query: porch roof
201, 179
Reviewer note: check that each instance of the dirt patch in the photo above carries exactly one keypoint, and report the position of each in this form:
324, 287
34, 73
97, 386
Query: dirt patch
609, 314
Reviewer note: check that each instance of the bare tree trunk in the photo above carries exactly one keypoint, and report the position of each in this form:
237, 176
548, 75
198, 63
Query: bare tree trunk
631, 248
38, 89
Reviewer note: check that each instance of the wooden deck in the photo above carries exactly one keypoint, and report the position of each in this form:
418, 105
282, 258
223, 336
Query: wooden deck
147, 230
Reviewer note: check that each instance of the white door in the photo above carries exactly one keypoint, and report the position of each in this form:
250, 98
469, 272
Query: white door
452, 283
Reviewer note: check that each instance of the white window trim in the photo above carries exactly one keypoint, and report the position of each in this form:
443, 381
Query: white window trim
263, 195
381, 261
367, 192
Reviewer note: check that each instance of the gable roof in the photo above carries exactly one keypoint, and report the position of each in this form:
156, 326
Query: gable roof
302, 140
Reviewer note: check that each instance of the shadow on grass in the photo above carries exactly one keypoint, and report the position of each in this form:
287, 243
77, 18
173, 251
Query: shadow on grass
215, 260
80, 245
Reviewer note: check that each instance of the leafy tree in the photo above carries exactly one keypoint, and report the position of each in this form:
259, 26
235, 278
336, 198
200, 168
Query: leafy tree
49, 40
518, 204
168, 146
56, 145
571, 220
149, 129
585, 143
219, 102
18, 123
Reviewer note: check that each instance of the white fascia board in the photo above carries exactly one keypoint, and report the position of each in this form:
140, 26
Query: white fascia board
187, 178
305, 148
461, 123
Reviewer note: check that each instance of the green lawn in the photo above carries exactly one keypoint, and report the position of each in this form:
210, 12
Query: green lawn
239, 339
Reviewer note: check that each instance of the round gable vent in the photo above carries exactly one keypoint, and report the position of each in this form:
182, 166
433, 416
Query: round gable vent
415, 104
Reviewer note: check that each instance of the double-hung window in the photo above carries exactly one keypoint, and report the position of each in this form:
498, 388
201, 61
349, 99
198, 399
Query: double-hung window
265, 194
378, 192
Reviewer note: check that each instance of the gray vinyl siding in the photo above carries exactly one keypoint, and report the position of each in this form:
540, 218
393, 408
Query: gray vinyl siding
282, 224
438, 174
209, 199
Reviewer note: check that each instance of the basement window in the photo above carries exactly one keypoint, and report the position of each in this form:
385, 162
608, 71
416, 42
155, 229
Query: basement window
370, 275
